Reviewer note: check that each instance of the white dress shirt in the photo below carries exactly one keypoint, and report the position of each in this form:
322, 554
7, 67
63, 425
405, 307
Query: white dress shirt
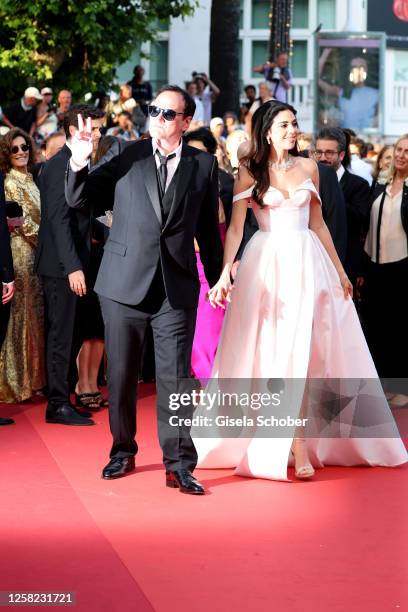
172, 163
361, 168
340, 171
393, 239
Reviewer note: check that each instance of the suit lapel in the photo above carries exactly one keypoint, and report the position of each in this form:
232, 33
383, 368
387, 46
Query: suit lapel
185, 170
148, 169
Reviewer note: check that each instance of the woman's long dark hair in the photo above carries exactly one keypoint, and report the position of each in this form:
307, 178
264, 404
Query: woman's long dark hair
257, 158
105, 143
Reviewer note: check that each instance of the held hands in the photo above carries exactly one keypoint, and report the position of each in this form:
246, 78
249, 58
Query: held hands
77, 282
346, 285
81, 144
221, 292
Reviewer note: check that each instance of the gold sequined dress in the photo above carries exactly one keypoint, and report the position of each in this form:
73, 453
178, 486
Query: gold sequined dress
22, 369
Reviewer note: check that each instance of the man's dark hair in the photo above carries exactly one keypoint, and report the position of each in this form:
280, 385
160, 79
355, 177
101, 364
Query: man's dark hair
249, 87
189, 104
333, 133
126, 113
361, 146
350, 132
86, 110
202, 135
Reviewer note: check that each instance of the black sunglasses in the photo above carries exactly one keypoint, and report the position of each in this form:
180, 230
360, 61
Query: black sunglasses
168, 113
16, 148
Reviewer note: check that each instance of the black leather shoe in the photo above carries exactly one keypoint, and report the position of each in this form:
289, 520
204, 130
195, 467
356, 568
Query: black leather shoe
185, 481
6, 421
83, 413
118, 467
66, 415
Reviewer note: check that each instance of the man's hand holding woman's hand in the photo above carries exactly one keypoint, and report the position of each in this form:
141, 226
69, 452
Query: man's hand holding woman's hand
221, 292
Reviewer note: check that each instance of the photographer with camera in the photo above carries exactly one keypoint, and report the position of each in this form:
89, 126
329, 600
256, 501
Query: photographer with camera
125, 128
47, 120
207, 92
279, 75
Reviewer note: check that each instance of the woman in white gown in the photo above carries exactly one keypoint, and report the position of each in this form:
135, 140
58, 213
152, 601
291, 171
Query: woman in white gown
291, 317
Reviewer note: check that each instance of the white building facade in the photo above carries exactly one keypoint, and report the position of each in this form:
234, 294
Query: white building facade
182, 47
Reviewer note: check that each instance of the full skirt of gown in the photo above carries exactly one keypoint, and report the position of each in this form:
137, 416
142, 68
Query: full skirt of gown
288, 320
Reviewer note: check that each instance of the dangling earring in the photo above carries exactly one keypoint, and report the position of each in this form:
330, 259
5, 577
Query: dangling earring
268, 140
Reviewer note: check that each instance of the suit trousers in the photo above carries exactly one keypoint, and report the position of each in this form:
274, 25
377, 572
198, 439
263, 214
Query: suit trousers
173, 333
63, 339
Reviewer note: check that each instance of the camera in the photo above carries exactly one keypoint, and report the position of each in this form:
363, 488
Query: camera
197, 74
276, 74
52, 108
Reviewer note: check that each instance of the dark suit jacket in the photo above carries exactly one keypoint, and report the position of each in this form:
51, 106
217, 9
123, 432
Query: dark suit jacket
356, 191
333, 210
64, 239
138, 239
6, 259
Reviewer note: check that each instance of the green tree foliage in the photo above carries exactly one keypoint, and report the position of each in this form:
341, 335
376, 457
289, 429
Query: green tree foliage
75, 43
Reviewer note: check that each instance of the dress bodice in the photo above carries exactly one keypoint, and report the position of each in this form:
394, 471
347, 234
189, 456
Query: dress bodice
280, 213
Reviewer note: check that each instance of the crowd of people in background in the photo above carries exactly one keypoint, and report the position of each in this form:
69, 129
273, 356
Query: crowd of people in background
46, 328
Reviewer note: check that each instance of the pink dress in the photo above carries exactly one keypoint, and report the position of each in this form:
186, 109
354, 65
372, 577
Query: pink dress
208, 326
288, 320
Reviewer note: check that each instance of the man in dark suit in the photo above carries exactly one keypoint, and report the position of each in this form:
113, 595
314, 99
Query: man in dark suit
7, 275
62, 258
332, 150
165, 194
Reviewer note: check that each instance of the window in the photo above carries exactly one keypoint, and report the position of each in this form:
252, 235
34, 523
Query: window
159, 52
162, 24
300, 14
259, 55
401, 66
298, 62
125, 71
326, 14
260, 14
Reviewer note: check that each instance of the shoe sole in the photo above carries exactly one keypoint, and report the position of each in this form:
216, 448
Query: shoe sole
114, 477
54, 422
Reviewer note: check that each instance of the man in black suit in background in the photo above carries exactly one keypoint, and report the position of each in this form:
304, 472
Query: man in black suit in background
332, 149
6, 275
165, 194
63, 252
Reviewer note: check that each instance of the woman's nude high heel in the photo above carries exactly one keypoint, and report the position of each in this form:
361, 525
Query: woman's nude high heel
305, 470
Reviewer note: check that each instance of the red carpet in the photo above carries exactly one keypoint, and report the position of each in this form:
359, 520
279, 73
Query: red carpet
336, 543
